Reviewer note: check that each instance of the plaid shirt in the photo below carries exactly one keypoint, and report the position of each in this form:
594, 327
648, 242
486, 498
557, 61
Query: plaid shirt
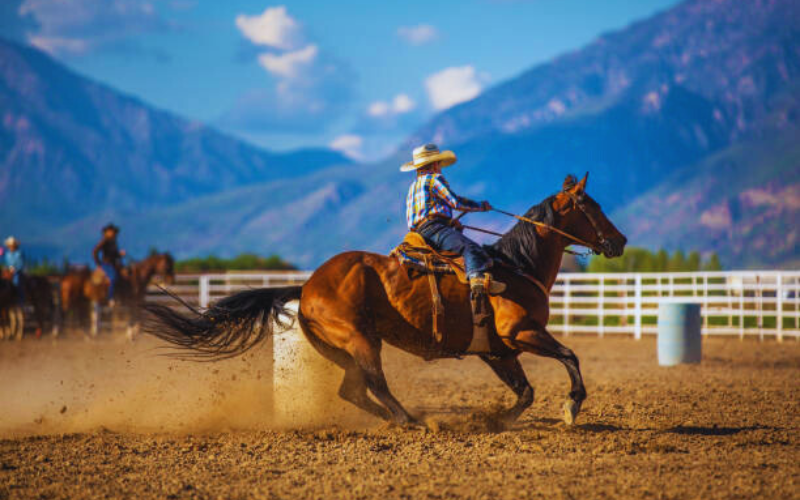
429, 195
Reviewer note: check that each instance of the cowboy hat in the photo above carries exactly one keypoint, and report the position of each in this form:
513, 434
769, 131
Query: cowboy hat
110, 226
11, 242
427, 154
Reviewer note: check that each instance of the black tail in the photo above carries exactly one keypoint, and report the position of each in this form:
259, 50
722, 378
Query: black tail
229, 328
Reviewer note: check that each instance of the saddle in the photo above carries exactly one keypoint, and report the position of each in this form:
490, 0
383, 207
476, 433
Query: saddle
415, 253
99, 277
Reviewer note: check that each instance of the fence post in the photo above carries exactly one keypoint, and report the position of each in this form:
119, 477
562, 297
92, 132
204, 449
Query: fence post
601, 307
205, 291
567, 292
637, 313
779, 307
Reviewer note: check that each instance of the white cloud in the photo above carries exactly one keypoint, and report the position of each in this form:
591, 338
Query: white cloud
273, 28
401, 104
310, 88
419, 34
378, 109
452, 86
350, 145
289, 64
77, 27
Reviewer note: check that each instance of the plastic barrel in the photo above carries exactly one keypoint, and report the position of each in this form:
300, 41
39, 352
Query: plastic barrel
679, 338
304, 383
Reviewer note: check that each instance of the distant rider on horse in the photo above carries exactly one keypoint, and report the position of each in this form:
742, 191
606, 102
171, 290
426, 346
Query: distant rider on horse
429, 212
14, 263
108, 257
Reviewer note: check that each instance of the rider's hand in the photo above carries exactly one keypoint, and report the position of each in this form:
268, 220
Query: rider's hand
122, 253
486, 206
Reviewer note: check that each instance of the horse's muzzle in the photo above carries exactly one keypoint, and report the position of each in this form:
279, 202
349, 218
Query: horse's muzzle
613, 247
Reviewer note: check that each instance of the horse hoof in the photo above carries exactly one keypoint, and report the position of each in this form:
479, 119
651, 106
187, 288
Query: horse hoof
570, 412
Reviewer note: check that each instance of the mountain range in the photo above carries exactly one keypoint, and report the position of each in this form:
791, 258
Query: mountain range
688, 121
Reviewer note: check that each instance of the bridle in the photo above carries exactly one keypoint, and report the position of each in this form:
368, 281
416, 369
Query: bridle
578, 201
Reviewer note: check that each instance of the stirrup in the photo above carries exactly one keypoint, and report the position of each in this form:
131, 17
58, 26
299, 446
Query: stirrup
484, 283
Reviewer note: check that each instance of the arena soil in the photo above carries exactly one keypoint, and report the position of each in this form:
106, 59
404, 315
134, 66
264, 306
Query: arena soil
108, 419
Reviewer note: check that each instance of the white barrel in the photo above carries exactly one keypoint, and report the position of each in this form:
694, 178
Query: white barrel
679, 339
305, 384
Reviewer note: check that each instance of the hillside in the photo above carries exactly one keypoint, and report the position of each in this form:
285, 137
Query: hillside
687, 122
743, 202
634, 105
70, 147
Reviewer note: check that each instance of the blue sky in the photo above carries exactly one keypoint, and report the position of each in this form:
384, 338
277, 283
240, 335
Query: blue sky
359, 75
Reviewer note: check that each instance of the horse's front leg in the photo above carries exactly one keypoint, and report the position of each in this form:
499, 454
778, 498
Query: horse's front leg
510, 371
537, 340
133, 321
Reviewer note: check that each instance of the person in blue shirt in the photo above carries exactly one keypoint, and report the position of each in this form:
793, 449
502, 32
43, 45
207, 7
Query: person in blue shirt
14, 263
108, 256
429, 212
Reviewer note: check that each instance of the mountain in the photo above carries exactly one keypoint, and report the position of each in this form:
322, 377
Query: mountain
634, 105
71, 148
742, 202
688, 122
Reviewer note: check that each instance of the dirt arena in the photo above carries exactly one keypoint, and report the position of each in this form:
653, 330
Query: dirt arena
108, 419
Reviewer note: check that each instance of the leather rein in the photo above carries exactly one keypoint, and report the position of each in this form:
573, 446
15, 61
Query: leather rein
596, 248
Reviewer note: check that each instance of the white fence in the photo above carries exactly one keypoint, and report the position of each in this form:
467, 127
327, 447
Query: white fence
762, 303
741, 303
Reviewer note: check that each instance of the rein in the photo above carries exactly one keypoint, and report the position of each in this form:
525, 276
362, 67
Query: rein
594, 248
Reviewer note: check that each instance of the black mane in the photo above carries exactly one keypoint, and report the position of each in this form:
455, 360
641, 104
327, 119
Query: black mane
519, 247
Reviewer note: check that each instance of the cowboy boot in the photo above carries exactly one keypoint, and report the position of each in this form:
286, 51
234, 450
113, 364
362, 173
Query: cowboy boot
481, 316
485, 283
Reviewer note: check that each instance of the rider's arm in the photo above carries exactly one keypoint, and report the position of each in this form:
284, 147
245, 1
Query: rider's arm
442, 189
96, 252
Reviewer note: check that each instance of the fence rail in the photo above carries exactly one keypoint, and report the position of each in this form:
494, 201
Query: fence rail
741, 303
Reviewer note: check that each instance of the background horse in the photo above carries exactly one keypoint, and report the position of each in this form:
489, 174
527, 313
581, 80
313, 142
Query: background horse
84, 291
357, 300
12, 319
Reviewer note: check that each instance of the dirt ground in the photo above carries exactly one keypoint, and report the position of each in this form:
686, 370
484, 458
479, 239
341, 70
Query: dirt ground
108, 419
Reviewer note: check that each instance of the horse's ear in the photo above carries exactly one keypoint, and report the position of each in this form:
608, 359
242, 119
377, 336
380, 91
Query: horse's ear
569, 182
581, 187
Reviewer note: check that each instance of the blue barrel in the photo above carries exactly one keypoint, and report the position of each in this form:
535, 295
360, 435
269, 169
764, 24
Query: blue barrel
679, 338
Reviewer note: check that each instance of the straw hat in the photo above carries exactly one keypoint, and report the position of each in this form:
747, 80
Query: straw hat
11, 242
110, 226
427, 154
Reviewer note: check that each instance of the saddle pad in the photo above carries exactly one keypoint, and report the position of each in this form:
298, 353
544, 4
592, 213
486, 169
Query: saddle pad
99, 277
414, 251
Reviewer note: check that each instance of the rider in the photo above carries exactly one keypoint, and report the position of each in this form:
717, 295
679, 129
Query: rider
14, 262
429, 212
111, 260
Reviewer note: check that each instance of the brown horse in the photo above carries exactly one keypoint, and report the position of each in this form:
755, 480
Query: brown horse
80, 289
357, 300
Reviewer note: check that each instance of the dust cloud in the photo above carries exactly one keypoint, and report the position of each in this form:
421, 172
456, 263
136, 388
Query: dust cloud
71, 385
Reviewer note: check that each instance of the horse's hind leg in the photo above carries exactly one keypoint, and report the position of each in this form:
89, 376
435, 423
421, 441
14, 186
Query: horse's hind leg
509, 370
368, 358
354, 386
539, 341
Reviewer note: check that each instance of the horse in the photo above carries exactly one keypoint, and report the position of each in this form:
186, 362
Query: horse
357, 300
12, 318
38, 293
72, 299
83, 288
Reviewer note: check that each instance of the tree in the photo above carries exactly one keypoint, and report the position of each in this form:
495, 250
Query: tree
693, 261
713, 263
641, 260
677, 262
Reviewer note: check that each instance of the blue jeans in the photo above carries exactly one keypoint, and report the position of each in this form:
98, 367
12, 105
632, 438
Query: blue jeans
113, 277
444, 237
18, 280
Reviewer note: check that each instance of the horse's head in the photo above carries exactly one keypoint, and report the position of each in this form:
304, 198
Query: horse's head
164, 266
584, 218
